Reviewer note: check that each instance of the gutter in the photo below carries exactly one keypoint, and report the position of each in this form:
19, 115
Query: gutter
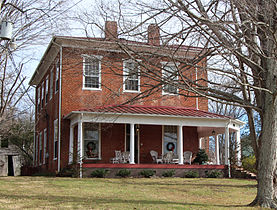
60, 105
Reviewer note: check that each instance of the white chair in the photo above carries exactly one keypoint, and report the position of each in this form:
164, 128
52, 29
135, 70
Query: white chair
125, 157
117, 158
168, 157
155, 157
187, 157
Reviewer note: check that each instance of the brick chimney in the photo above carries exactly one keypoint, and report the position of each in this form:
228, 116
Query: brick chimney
153, 35
110, 30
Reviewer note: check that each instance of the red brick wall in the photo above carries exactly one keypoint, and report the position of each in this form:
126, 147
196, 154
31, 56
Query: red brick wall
190, 136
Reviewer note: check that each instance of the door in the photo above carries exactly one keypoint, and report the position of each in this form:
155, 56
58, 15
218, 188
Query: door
127, 141
10, 166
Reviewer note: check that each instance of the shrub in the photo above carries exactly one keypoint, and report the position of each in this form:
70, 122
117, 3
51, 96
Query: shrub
201, 157
123, 173
168, 173
147, 173
99, 173
214, 174
191, 174
249, 164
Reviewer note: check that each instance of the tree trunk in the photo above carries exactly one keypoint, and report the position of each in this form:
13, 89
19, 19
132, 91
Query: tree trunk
266, 195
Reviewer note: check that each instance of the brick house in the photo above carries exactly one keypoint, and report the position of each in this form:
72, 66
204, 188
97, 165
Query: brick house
93, 98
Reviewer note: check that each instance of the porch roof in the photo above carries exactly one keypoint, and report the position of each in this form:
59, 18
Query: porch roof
154, 110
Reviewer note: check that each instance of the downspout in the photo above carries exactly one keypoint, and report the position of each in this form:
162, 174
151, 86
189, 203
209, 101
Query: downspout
34, 151
196, 99
60, 106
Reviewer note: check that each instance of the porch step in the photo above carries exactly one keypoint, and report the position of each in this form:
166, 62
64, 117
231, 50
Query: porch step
239, 172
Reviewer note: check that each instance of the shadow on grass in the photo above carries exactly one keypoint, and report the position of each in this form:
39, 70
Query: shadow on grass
88, 201
185, 183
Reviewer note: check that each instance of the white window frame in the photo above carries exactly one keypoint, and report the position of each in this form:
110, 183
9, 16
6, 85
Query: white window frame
99, 142
163, 146
46, 89
38, 98
42, 94
36, 149
40, 149
51, 84
45, 141
96, 57
126, 73
55, 139
57, 70
169, 64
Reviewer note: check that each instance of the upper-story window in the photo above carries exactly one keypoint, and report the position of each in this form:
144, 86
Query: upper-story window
51, 84
42, 94
92, 72
131, 77
38, 98
57, 66
46, 90
170, 78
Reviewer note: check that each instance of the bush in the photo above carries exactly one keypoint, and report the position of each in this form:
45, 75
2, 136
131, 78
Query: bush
169, 173
123, 173
201, 157
214, 174
249, 164
191, 174
99, 173
147, 173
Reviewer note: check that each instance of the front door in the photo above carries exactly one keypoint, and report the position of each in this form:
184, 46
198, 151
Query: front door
127, 142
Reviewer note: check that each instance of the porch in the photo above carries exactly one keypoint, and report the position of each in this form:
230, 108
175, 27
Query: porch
96, 134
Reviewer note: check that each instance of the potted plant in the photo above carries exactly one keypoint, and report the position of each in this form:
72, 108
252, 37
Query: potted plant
201, 157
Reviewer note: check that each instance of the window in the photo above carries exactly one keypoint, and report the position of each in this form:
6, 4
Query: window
170, 78
55, 139
91, 140
4, 143
131, 78
36, 150
46, 90
51, 85
92, 72
42, 94
45, 142
57, 77
38, 99
40, 148
170, 139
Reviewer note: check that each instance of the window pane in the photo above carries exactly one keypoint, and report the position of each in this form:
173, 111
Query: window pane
92, 82
131, 84
131, 72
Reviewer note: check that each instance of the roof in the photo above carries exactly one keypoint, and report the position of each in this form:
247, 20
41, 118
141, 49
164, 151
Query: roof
154, 110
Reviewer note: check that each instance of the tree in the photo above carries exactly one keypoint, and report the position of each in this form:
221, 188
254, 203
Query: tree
239, 41
33, 21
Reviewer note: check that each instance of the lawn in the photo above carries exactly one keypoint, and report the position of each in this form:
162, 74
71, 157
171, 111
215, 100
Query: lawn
125, 193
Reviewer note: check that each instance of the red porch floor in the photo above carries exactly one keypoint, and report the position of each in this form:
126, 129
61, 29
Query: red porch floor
153, 166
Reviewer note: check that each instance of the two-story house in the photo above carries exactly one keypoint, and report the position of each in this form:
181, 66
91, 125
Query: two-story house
98, 95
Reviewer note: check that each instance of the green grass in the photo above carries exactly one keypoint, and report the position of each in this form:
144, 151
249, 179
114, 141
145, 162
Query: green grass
128, 193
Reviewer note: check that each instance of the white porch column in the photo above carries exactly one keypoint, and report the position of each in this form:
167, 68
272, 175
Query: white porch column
238, 147
71, 137
227, 146
80, 145
216, 150
132, 143
180, 144
200, 143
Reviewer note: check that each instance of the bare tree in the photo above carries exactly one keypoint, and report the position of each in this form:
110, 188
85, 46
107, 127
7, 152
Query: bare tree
238, 39
33, 21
